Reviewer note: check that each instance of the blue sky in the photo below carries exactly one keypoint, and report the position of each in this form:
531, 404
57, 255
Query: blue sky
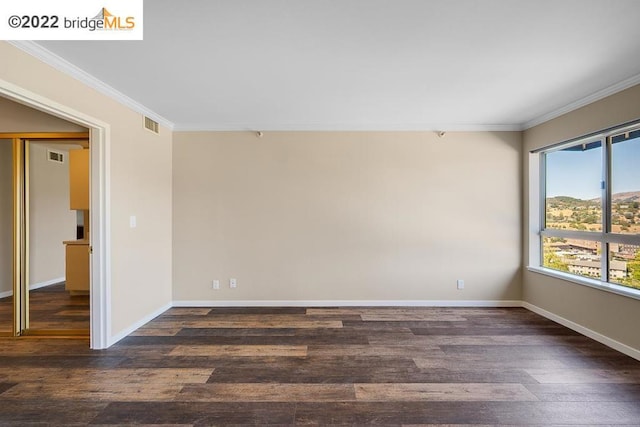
578, 173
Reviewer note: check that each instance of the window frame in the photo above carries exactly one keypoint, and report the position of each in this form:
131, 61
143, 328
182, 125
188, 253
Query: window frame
537, 213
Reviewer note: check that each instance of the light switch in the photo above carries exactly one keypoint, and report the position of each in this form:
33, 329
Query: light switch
132, 221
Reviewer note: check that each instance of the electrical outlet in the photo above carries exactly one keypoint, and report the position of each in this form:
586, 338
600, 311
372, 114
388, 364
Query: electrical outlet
215, 284
460, 283
233, 283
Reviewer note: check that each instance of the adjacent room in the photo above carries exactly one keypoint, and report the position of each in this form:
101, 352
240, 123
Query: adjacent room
419, 212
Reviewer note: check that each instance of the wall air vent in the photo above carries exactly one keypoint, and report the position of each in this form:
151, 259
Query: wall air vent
55, 156
151, 125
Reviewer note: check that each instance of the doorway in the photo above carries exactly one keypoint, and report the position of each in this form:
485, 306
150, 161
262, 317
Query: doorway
57, 175
99, 137
50, 235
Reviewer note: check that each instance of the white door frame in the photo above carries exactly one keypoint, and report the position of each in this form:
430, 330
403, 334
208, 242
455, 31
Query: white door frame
100, 236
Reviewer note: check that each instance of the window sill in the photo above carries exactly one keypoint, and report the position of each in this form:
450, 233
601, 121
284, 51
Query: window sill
592, 283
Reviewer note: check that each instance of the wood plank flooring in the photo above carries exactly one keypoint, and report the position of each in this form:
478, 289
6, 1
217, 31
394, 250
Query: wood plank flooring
335, 366
51, 308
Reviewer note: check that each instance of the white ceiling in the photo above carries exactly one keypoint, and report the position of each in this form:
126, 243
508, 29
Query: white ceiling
368, 64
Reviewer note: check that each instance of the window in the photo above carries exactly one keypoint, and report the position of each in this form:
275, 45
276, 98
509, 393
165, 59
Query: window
589, 223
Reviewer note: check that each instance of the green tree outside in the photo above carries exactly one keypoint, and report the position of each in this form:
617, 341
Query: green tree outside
553, 260
633, 272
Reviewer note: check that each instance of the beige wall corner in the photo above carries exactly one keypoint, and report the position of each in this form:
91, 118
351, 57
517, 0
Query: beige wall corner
140, 185
331, 216
611, 315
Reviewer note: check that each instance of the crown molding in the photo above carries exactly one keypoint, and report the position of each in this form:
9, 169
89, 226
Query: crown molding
71, 70
68, 68
601, 94
344, 127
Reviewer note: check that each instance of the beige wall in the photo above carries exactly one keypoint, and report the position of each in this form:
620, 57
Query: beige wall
301, 216
6, 216
612, 315
50, 219
16, 117
140, 184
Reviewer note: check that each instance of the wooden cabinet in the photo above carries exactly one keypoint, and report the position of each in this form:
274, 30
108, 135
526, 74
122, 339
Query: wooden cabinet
79, 180
77, 266
77, 251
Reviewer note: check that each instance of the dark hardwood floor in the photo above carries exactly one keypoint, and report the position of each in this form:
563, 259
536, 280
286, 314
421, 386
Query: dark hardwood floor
6, 316
340, 366
51, 308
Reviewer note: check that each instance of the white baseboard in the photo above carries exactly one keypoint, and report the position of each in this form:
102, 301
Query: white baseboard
35, 286
348, 303
125, 332
609, 342
46, 283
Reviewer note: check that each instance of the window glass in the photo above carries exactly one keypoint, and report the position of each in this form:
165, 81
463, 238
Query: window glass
625, 183
578, 236
573, 188
624, 265
581, 257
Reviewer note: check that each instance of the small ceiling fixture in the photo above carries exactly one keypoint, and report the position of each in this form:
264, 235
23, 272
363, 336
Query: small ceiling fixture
441, 134
259, 134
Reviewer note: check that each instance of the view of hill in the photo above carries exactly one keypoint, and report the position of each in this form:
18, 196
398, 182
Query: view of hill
627, 197
570, 213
